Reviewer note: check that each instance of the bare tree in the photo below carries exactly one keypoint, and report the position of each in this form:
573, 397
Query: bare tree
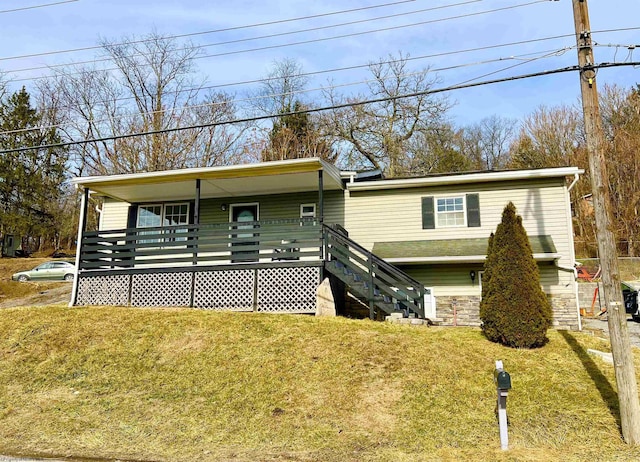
436, 150
281, 88
152, 89
554, 137
487, 143
293, 133
548, 138
378, 133
621, 114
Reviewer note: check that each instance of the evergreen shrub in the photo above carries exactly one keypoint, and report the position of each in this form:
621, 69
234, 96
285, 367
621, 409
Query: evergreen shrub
514, 309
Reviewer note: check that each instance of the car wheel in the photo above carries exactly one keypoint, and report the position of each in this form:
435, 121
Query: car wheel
22, 278
68, 277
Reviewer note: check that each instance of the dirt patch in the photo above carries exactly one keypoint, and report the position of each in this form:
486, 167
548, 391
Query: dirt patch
59, 294
13, 293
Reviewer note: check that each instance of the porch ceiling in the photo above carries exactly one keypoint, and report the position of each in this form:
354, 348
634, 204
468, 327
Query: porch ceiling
278, 177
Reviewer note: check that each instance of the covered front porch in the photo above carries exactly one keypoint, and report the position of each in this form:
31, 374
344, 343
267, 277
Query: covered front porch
246, 237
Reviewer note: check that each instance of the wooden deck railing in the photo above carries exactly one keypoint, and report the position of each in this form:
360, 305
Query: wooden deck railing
210, 244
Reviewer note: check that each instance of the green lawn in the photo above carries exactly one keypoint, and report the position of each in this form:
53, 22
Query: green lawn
174, 385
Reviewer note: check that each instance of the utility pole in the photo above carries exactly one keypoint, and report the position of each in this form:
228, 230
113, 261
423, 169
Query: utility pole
617, 317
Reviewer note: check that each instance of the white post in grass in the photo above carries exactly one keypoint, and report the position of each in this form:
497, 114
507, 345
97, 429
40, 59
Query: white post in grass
503, 385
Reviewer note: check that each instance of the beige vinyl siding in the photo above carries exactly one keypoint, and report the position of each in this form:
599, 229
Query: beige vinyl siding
396, 215
280, 206
114, 215
454, 280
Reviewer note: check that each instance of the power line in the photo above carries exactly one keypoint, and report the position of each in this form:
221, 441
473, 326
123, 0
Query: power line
37, 6
249, 39
321, 109
553, 53
193, 34
346, 68
304, 42
362, 66
546, 53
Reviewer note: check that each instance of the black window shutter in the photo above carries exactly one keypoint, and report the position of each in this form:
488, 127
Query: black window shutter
428, 216
473, 210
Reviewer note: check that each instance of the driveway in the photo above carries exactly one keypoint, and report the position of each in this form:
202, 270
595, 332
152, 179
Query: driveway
601, 326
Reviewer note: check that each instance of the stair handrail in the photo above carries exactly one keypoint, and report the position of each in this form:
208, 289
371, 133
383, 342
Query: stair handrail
377, 262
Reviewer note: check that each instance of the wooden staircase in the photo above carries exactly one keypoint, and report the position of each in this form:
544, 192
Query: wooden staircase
378, 284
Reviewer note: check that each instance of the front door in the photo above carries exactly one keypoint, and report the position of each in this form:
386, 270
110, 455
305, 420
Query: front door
244, 217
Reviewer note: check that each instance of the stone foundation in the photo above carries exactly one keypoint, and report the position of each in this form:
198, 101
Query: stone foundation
465, 311
458, 311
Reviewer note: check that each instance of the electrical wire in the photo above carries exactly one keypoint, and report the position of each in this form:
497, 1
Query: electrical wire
37, 6
228, 29
249, 39
326, 71
545, 53
554, 53
193, 34
270, 47
314, 110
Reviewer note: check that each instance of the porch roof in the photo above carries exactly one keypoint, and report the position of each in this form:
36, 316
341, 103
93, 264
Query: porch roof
473, 250
276, 177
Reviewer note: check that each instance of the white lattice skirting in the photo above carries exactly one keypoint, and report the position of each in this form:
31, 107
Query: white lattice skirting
103, 290
224, 290
290, 290
282, 289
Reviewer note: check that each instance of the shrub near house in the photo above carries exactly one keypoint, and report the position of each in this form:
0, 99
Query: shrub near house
514, 310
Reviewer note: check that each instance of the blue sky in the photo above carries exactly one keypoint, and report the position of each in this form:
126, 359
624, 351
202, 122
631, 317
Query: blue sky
84, 22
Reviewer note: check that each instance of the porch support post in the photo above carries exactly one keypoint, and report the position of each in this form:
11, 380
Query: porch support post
196, 222
196, 206
82, 224
321, 197
196, 228
321, 217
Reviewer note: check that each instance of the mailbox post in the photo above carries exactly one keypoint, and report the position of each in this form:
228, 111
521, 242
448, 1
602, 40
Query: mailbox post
503, 385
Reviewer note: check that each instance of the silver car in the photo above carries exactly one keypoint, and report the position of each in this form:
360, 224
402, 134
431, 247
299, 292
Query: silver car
51, 270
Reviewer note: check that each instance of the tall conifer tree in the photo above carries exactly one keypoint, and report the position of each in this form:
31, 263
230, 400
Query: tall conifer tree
514, 309
30, 181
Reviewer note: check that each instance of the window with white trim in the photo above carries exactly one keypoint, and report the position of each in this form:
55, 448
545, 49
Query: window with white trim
149, 216
176, 214
155, 215
450, 212
307, 211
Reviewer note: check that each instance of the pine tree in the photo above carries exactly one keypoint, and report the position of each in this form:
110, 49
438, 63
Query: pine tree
514, 309
295, 136
30, 181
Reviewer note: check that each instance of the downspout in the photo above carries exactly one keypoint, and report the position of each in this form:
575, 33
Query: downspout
576, 177
99, 212
82, 223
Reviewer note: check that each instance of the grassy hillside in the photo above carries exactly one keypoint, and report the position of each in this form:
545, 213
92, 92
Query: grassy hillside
192, 385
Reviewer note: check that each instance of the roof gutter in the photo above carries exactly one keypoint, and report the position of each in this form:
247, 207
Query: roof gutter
483, 177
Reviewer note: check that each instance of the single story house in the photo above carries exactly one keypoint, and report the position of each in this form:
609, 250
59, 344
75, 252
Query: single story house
261, 237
